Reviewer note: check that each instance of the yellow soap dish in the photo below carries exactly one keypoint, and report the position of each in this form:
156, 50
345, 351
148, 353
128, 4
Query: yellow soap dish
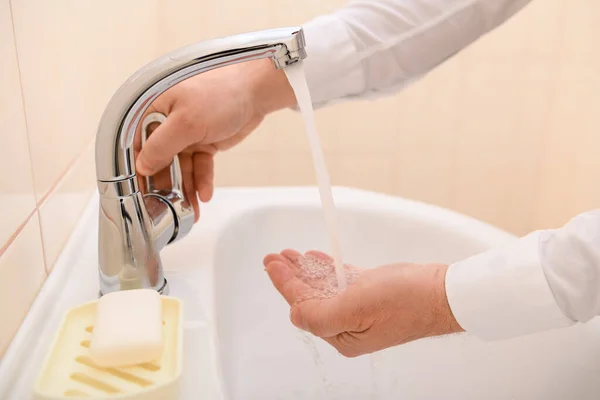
69, 373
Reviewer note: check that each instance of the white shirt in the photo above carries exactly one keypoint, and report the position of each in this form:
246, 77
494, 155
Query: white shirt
545, 280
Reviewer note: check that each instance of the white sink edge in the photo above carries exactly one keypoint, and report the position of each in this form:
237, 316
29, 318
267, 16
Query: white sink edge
43, 303
218, 213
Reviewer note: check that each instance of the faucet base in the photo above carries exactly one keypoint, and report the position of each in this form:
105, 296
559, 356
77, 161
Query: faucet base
164, 289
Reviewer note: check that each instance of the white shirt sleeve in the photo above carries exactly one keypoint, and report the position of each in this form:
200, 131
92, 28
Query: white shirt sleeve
370, 48
546, 280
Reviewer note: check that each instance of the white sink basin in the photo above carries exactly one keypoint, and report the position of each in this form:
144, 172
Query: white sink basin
240, 345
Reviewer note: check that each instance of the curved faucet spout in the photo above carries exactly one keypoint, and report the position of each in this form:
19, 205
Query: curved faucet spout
134, 227
114, 157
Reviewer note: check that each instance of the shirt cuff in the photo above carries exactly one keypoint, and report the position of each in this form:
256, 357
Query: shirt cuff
332, 72
503, 293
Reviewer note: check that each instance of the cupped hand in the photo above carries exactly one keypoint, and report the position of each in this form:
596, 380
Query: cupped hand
208, 113
381, 307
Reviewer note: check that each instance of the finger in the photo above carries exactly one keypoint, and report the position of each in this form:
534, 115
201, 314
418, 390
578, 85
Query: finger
162, 104
274, 257
137, 139
320, 255
136, 152
347, 344
142, 183
291, 255
204, 175
187, 172
286, 283
170, 138
162, 179
297, 261
350, 269
192, 199
324, 318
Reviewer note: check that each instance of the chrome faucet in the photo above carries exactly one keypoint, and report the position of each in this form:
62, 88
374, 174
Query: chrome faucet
135, 226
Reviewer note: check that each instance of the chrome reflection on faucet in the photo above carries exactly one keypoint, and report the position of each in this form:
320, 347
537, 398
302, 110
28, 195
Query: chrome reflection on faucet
135, 226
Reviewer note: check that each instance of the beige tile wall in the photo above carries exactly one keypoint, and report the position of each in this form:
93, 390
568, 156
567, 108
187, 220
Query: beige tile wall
21, 262
61, 62
508, 131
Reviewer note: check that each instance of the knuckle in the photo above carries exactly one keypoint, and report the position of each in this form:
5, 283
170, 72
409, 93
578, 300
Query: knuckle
307, 321
187, 121
316, 328
348, 346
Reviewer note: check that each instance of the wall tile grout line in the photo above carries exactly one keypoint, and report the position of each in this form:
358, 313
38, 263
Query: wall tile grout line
17, 232
41, 232
40, 203
22, 95
12, 238
61, 178
63, 174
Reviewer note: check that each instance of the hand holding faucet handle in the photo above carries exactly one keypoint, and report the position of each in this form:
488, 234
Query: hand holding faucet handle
208, 113
212, 109
162, 178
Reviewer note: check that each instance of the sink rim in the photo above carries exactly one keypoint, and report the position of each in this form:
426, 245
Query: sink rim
224, 209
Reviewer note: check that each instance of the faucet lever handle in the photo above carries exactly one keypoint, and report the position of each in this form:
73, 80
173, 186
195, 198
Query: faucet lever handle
182, 209
176, 178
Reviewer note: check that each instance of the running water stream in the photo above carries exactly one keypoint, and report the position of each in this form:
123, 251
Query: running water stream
312, 269
297, 79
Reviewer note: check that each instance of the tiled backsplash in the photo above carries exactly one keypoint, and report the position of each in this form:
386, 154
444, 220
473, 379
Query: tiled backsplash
61, 62
507, 131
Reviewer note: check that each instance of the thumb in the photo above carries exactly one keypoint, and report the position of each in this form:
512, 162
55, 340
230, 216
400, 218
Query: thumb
323, 318
165, 142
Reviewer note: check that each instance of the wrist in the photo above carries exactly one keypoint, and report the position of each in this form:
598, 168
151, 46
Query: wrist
443, 321
269, 87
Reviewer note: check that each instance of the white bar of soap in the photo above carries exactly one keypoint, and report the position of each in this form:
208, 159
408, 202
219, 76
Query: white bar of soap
128, 328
